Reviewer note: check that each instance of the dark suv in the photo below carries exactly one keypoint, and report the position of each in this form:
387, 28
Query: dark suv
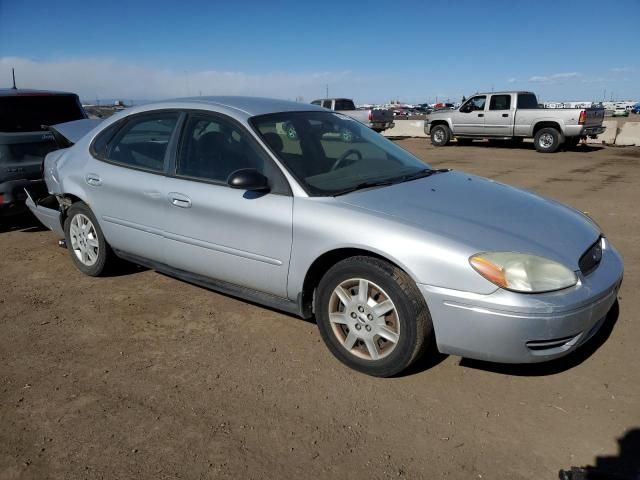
25, 140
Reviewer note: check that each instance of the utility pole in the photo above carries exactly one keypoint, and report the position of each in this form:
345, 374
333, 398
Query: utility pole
13, 74
327, 85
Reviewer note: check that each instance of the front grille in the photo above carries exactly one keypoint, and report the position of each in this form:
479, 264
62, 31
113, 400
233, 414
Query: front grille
591, 258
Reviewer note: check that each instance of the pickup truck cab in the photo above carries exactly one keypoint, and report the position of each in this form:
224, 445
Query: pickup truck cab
377, 119
25, 139
514, 116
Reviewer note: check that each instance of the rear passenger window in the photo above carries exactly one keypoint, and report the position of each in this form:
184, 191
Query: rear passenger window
143, 141
326, 104
500, 102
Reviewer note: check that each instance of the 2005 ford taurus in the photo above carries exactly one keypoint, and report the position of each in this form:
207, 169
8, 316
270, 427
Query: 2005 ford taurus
310, 212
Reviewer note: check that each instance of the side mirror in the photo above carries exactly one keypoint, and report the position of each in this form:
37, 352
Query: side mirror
466, 109
248, 179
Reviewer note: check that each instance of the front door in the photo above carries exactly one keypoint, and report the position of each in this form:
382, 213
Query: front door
219, 232
470, 117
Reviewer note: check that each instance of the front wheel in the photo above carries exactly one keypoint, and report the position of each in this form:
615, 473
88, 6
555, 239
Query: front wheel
372, 316
547, 140
85, 241
440, 135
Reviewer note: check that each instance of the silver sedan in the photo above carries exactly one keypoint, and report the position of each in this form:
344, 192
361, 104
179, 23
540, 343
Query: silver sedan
311, 212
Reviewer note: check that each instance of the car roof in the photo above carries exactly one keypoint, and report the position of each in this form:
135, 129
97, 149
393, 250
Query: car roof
25, 92
239, 106
504, 92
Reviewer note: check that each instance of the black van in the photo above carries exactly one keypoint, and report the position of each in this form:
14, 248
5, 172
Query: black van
25, 140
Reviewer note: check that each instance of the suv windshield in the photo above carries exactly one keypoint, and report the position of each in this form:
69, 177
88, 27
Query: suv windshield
330, 153
28, 113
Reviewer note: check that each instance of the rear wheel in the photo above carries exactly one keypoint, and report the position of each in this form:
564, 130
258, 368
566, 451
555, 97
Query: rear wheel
86, 244
372, 316
440, 135
547, 140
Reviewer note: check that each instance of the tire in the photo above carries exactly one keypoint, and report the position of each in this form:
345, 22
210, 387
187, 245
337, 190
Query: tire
404, 322
464, 142
440, 135
547, 140
83, 236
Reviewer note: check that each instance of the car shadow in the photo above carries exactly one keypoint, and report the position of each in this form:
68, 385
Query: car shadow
552, 367
23, 222
624, 466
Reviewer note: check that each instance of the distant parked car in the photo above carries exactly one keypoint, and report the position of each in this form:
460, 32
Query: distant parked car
25, 140
620, 111
386, 252
635, 108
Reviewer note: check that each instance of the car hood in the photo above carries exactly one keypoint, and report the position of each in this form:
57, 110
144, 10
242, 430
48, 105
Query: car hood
483, 215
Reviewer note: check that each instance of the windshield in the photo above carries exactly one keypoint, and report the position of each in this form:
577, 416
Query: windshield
28, 113
330, 153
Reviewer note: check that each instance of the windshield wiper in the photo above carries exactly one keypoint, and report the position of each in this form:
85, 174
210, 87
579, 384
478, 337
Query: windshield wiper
363, 185
421, 174
391, 181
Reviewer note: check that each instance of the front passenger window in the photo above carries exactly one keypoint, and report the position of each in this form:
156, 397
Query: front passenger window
212, 148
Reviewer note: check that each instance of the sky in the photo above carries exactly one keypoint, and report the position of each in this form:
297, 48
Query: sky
371, 51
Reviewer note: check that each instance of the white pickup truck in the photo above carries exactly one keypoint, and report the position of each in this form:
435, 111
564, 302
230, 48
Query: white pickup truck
377, 119
514, 116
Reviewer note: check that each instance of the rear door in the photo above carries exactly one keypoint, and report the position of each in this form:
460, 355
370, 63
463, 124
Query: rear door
236, 236
499, 118
126, 182
469, 120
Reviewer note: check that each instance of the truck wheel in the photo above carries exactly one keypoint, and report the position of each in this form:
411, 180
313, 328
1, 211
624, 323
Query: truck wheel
547, 140
440, 135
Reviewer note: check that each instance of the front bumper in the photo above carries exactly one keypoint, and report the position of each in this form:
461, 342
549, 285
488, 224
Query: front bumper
511, 327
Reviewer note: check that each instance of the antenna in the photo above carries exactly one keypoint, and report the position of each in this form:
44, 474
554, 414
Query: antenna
13, 74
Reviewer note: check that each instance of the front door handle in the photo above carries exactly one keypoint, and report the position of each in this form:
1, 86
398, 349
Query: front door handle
93, 179
481, 114
179, 200
505, 115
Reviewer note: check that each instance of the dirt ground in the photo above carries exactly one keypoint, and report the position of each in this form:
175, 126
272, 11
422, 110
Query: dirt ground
141, 376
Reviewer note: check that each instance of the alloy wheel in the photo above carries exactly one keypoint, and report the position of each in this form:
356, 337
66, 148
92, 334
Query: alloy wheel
364, 319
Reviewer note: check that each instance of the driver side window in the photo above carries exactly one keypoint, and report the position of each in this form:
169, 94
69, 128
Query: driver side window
474, 104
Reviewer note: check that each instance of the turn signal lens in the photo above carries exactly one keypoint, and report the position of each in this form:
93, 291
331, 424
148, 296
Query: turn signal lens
522, 272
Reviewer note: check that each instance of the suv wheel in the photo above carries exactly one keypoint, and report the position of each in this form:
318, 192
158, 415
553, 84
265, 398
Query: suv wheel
440, 135
547, 140
86, 244
372, 316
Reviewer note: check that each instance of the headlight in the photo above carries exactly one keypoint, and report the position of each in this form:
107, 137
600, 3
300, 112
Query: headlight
521, 272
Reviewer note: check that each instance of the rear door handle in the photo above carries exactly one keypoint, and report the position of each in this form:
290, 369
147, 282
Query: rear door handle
179, 200
93, 179
505, 114
481, 114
